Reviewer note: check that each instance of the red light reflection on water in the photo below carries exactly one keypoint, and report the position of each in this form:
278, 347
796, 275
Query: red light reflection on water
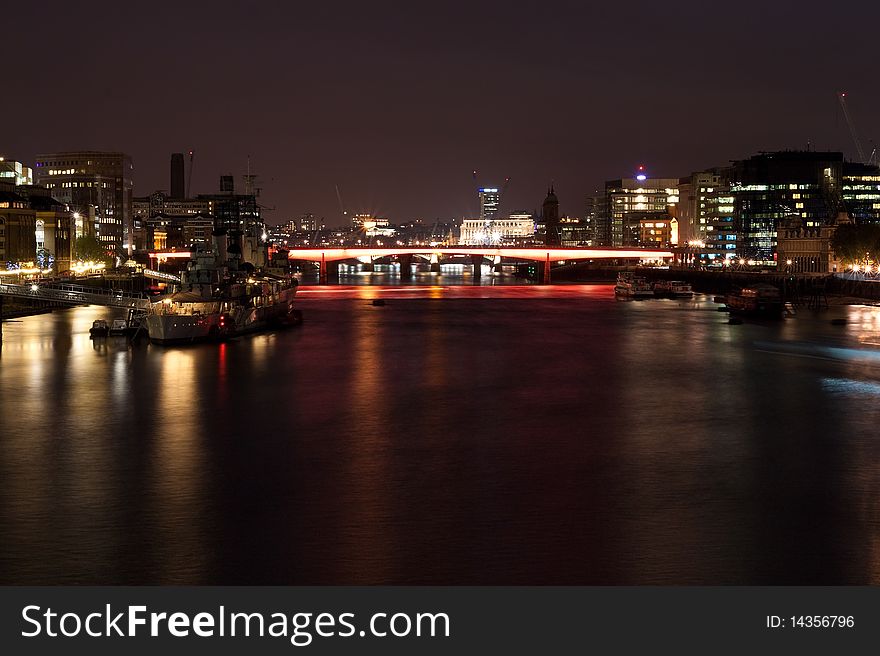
456, 291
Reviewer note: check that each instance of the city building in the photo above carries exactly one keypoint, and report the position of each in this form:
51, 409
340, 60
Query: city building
53, 228
658, 231
575, 231
516, 228
629, 200
692, 213
490, 203
93, 184
240, 213
308, 223
770, 186
18, 223
860, 191
803, 249
15, 172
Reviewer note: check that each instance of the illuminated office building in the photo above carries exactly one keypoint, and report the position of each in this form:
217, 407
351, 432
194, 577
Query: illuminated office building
630, 200
15, 172
490, 203
92, 183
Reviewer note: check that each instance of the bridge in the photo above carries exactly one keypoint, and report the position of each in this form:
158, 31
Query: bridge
477, 254
75, 295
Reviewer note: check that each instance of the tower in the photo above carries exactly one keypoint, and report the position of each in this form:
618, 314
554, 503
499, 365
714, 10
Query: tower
178, 181
550, 216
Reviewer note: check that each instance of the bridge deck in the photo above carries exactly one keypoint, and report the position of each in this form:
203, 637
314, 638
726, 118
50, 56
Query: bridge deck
74, 295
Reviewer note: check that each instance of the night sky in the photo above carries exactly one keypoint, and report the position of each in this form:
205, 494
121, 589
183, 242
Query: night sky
397, 103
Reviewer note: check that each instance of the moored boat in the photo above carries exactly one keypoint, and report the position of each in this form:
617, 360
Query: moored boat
672, 289
99, 328
218, 298
758, 300
632, 287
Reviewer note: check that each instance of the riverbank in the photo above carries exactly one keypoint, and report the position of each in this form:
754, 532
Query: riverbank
796, 288
16, 309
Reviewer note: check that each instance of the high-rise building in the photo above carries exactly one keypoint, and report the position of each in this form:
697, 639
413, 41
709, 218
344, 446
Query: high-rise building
692, 206
178, 176
630, 200
770, 186
91, 182
860, 192
490, 203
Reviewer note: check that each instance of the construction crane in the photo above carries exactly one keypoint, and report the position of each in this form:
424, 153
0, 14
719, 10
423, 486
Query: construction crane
852, 129
342, 211
189, 175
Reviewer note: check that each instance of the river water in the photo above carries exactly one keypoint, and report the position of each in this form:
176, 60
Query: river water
455, 435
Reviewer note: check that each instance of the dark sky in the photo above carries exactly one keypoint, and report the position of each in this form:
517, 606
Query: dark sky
397, 103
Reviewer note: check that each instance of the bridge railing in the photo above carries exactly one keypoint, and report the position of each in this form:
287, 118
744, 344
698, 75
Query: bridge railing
75, 295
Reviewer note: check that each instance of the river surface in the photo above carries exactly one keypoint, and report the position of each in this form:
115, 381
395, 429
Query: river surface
455, 435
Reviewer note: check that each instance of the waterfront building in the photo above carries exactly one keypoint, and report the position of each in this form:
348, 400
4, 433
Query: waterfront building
770, 186
53, 227
692, 206
18, 224
15, 172
807, 249
718, 206
34, 228
629, 200
658, 231
101, 181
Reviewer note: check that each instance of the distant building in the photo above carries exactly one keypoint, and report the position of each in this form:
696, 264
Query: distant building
239, 213
163, 221
15, 172
490, 203
92, 183
575, 231
308, 223
550, 218
516, 228
629, 200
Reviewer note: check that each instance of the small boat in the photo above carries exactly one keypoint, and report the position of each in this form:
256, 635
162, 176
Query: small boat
122, 328
681, 289
99, 328
672, 289
631, 286
757, 301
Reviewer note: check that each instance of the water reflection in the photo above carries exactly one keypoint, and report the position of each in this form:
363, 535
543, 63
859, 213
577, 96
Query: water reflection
482, 434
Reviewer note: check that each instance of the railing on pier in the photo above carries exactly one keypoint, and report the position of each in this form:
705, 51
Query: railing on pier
75, 295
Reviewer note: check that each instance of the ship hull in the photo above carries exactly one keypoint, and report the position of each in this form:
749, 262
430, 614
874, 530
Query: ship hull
238, 320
